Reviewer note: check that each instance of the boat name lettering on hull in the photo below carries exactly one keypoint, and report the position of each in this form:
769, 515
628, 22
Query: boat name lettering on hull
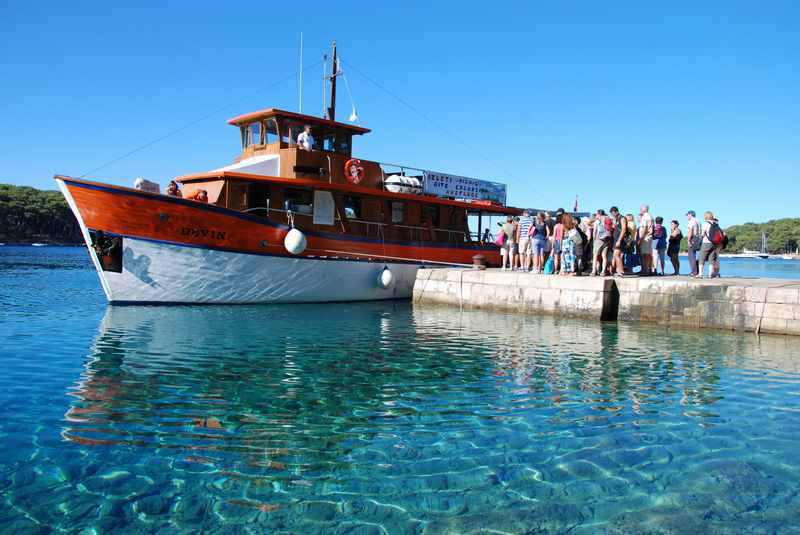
202, 233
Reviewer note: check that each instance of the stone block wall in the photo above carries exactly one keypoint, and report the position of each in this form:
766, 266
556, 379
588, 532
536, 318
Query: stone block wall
763, 305
755, 305
571, 296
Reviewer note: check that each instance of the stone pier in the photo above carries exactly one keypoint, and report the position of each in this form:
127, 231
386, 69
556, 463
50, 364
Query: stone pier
754, 305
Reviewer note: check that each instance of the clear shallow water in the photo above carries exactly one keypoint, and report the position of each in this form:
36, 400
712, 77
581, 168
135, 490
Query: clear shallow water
751, 267
379, 418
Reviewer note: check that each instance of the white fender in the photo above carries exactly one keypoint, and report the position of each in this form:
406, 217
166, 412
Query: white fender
386, 279
295, 241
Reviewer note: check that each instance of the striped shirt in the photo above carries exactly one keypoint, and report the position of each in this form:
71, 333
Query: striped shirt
525, 224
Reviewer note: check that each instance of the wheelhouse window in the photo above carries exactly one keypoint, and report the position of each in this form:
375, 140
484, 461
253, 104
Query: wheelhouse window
271, 132
343, 140
299, 200
329, 142
252, 134
293, 129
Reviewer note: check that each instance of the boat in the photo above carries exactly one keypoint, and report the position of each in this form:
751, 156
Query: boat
750, 253
283, 224
37, 244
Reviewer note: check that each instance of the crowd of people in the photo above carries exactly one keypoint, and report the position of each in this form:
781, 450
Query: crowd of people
610, 244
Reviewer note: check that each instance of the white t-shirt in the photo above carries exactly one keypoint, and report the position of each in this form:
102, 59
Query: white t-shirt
306, 141
693, 227
705, 230
646, 226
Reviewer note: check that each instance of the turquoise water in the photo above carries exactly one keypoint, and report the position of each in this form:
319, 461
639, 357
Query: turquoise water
750, 267
379, 418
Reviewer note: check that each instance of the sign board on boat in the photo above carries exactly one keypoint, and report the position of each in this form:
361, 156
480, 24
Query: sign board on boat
462, 187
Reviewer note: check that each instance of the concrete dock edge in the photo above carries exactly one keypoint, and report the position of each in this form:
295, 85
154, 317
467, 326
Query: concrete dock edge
750, 305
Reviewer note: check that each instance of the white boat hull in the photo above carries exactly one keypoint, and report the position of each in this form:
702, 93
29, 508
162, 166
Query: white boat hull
155, 272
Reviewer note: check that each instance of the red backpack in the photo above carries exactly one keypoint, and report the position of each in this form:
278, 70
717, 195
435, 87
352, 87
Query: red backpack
715, 234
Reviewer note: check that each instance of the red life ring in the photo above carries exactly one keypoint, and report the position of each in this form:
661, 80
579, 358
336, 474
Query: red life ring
353, 171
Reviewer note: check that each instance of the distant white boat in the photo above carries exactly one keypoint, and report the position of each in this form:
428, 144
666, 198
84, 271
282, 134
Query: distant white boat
748, 253
37, 244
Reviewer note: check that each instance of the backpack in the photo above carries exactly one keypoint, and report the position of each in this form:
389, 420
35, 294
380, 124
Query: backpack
660, 236
606, 229
715, 234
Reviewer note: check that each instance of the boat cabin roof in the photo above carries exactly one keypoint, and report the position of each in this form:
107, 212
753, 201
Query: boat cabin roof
243, 120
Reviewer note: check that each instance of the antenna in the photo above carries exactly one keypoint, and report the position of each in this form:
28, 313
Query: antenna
300, 107
324, 82
331, 114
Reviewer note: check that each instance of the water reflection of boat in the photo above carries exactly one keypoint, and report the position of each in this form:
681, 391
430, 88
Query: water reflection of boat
230, 379
238, 381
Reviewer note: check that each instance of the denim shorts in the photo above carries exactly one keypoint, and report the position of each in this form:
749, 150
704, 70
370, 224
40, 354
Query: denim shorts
539, 245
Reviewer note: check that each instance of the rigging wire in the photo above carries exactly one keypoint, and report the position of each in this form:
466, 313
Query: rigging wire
436, 124
354, 115
200, 119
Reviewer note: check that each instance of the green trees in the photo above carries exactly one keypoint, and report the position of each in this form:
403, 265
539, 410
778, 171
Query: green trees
29, 215
783, 235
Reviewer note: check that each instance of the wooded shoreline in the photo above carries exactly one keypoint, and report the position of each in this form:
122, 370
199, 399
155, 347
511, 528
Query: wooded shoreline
30, 215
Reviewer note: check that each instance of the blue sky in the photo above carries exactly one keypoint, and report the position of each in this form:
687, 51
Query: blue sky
686, 105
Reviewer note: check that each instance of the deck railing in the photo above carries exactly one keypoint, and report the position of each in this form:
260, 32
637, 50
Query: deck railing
376, 228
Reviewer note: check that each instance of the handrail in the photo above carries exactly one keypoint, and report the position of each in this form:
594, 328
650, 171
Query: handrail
378, 224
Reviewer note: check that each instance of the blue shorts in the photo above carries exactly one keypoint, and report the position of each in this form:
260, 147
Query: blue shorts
539, 246
556, 246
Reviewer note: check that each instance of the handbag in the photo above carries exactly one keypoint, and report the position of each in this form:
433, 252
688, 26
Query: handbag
549, 266
500, 240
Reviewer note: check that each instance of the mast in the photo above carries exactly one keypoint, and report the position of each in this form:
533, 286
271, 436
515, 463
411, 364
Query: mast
331, 113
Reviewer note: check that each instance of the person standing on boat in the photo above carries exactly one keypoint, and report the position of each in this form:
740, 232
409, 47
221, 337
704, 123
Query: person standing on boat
173, 190
200, 195
305, 140
674, 247
694, 239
